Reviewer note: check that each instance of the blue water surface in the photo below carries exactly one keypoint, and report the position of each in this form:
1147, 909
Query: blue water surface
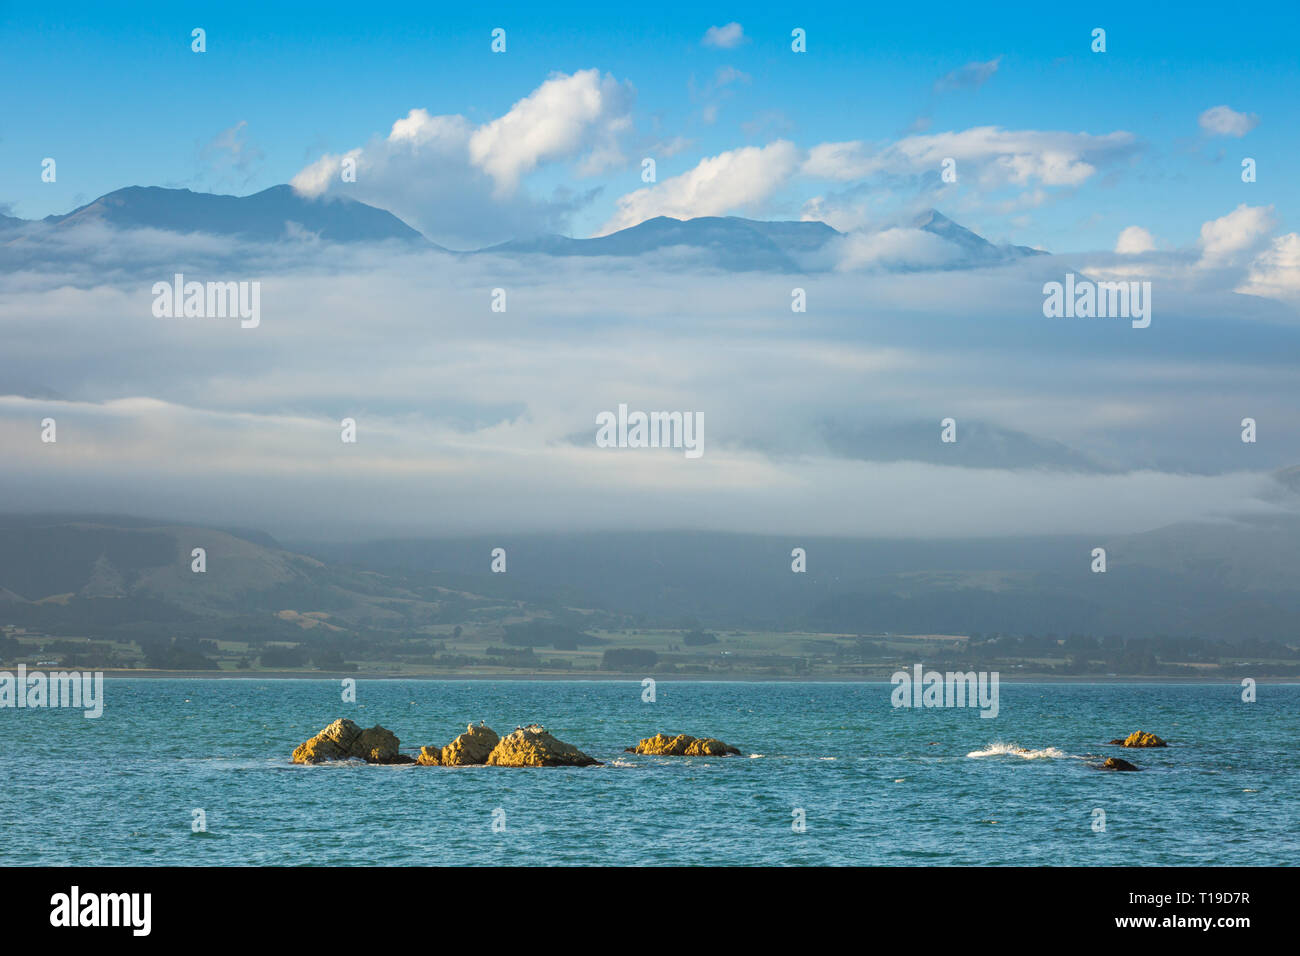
875, 784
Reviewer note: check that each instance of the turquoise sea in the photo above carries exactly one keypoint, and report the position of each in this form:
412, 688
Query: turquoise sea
877, 785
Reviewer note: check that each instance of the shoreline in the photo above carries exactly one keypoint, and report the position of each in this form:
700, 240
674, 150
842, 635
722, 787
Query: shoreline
625, 677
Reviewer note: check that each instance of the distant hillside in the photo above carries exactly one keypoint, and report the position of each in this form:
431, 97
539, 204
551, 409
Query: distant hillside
730, 243
128, 582
267, 216
739, 245
1226, 582
125, 577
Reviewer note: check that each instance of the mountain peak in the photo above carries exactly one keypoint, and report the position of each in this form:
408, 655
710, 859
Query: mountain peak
930, 217
975, 245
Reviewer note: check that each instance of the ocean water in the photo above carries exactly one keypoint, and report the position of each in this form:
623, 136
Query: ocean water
876, 785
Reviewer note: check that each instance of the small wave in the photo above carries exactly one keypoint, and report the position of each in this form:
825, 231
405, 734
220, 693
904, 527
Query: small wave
756, 756
1015, 750
620, 762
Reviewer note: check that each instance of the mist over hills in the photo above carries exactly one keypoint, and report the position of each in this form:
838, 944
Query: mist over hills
1063, 426
104, 576
729, 243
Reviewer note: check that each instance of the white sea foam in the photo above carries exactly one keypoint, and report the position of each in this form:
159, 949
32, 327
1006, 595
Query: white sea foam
999, 748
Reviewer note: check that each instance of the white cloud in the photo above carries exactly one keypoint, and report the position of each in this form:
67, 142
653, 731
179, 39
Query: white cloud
895, 249
1226, 240
418, 128
553, 122
734, 180
1275, 273
845, 213
1134, 241
198, 416
724, 37
460, 183
989, 155
841, 161
1225, 121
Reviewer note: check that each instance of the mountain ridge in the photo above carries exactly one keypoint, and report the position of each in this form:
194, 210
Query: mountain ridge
101, 575
731, 243
263, 215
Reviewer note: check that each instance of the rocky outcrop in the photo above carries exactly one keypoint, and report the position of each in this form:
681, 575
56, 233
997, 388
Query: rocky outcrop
344, 740
533, 747
378, 745
682, 745
471, 747
1139, 738
526, 747
1115, 763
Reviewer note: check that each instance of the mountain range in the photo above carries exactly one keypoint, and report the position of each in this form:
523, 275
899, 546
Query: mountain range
112, 576
727, 242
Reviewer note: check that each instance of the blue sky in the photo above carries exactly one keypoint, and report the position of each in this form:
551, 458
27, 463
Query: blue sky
1126, 162
116, 96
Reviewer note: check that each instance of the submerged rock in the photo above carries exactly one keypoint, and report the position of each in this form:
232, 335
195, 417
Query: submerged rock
1140, 738
533, 747
471, 747
1115, 763
344, 740
682, 745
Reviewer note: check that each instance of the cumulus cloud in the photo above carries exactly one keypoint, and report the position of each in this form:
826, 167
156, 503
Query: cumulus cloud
733, 180
1134, 241
555, 121
990, 157
1225, 121
1226, 240
460, 183
1275, 272
971, 76
724, 37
